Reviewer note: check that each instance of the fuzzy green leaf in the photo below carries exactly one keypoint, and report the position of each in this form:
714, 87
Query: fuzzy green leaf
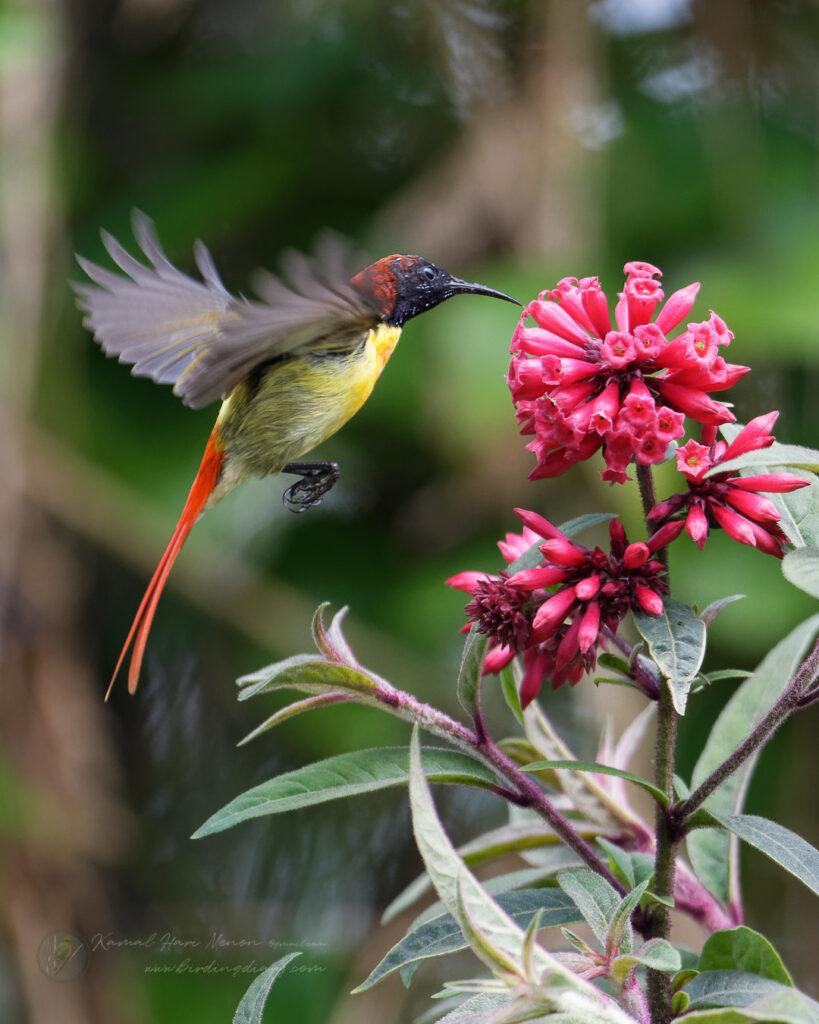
602, 769
251, 1008
788, 849
801, 568
676, 641
469, 674
743, 949
442, 934
360, 771
739, 989
596, 900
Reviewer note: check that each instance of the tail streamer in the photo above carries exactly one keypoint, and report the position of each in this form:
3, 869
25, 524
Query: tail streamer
206, 479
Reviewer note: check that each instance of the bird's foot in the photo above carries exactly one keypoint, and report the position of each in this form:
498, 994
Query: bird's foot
316, 480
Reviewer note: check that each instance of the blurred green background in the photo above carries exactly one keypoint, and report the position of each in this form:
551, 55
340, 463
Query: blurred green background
512, 142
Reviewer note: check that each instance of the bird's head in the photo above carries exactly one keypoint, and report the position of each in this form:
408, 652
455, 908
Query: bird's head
401, 287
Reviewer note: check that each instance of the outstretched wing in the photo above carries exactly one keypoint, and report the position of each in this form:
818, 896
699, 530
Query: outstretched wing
195, 334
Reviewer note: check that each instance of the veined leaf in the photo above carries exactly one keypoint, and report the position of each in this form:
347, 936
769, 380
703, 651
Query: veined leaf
740, 989
251, 1008
658, 954
801, 568
743, 949
309, 673
711, 611
713, 853
361, 771
788, 849
619, 938
776, 455
601, 769
299, 707
596, 900
676, 641
442, 933
469, 674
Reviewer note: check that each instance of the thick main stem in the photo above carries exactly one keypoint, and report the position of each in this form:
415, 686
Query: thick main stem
667, 838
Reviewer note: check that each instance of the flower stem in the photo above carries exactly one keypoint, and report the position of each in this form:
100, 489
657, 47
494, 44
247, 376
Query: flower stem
667, 838
645, 480
788, 702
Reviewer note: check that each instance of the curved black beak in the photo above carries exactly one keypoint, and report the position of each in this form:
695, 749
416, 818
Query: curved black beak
458, 287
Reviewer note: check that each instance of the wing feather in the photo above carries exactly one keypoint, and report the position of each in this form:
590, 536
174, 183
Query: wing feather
196, 335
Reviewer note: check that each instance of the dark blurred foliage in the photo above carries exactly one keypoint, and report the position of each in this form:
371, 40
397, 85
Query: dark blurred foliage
516, 143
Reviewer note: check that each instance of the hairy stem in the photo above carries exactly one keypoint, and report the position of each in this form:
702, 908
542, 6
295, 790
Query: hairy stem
787, 703
524, 790
648, 497
667, 837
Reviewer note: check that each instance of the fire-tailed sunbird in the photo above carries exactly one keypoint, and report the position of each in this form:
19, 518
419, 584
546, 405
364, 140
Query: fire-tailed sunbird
290, 369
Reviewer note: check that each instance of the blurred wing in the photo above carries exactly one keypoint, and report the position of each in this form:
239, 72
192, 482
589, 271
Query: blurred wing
195, 334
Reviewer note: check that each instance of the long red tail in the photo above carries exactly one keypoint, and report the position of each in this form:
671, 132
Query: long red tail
203, 485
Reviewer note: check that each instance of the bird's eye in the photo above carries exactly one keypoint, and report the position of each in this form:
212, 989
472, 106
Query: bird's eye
429, 273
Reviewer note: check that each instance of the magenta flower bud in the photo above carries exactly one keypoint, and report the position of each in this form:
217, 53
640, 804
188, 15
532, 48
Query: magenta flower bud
638, 268
662, 537
696, 525
497, 658
677, 307
466, 581
534, 579
568, 647
597, 307
754, 506
642, 295
551, 316
651, 603
696, 404
735, 525
564, 552
542, 527
552, 612
589, 627
537, 341
617, 536
636, 555
587, 588
774, 483
754, 435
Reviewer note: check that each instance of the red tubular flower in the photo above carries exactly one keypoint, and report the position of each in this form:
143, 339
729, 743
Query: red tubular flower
558, 634
728, 499
580, 384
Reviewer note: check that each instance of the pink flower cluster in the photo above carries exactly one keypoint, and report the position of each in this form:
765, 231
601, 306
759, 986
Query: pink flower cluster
580, 384
728, 499
558, 632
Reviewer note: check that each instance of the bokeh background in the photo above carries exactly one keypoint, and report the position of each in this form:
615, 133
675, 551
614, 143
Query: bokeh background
513, 142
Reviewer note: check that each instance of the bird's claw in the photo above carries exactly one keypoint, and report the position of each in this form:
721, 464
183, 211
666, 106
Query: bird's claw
316, 480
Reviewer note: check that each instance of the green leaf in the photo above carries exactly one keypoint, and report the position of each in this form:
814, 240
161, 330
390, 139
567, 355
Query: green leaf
785, 1007
602, 769
613, 662
658, 954
776, 455
713, 853
320, 700
801, 568
711, 611
331, 642
499, 842
676, 641
596, 900
309, 673
442, 934
469, 674
251, 1008
511, 691
478, 1009
360, 771
788, 849
743, 949
739, 988
619, 937
800, 513
720, 674
488, 926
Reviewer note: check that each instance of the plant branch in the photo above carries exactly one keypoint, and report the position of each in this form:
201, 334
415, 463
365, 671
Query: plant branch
791, 700
645, 480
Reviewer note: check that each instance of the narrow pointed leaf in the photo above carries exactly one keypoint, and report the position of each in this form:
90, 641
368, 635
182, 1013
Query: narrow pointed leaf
657, 954
299, 707
510, 687
712, 852
619, 937
776, 455
361, 771
469, 674
596, 900
788, 849
601, 769
309, 673
711, 611
251, 1008
442, 934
